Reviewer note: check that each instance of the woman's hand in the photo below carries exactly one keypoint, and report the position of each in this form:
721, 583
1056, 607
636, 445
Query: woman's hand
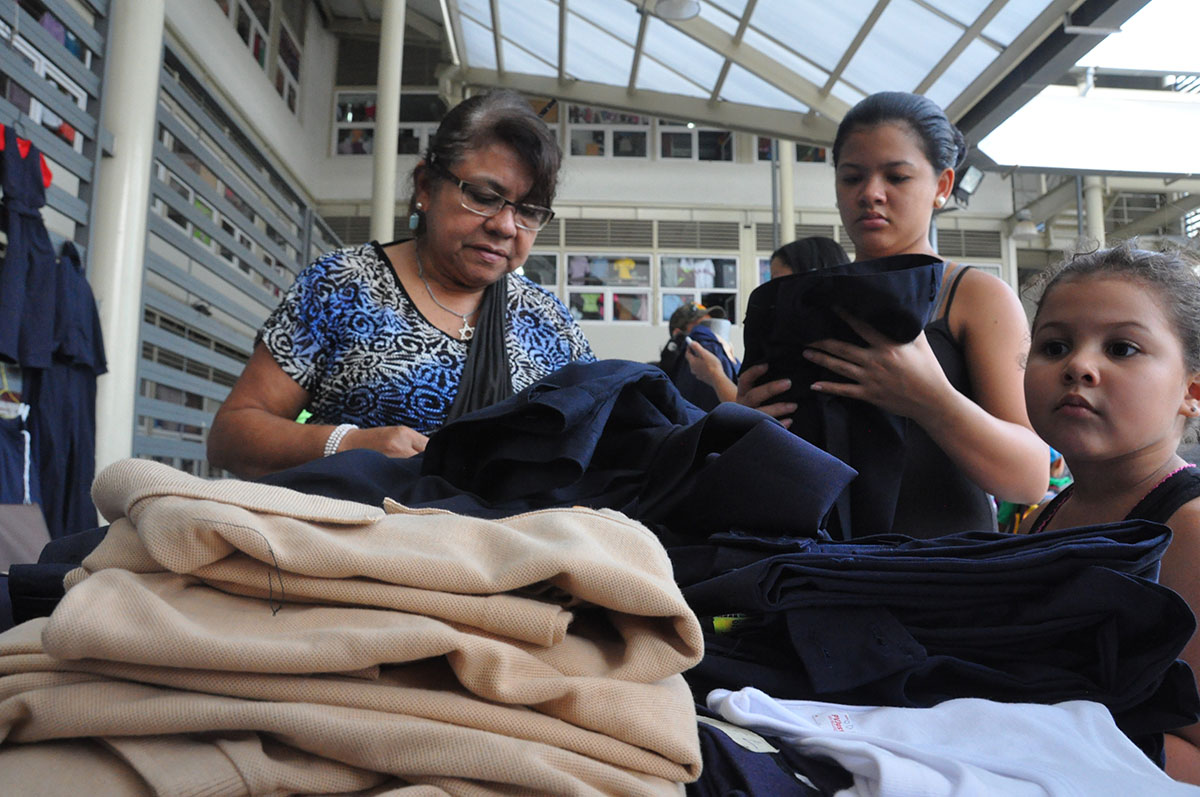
394, 441
757, 396
901, 378
706, 367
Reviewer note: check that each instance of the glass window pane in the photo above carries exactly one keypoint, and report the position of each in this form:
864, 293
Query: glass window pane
417, 107
608, 270
354, 107
594, 54
715, 145
355, 142
589, 143
631, 307
970, 64
541, 269
517, 59
587, 306
630, 143
409, 142
677, 145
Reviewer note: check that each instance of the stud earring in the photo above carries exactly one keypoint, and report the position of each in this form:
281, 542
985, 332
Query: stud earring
939, 201
414, 218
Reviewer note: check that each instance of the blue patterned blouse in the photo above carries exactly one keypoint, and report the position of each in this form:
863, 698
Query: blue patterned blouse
349, 334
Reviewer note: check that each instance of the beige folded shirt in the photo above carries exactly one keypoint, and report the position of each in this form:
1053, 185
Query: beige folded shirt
539, 653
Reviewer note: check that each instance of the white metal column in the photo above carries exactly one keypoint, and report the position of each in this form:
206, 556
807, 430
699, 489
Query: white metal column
387, 121
1093, 201
122, 202
787, 191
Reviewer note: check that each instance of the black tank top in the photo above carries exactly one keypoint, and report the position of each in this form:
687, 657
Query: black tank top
1158, 506
936, 497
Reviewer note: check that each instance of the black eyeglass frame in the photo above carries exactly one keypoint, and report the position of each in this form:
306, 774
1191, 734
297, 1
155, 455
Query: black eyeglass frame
517, 206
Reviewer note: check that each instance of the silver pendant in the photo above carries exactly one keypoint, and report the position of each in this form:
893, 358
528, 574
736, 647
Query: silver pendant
466, 332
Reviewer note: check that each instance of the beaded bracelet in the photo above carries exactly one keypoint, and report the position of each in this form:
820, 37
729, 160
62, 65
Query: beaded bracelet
335, 438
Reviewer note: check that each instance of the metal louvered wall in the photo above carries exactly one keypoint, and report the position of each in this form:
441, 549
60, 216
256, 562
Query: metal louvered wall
50, 88
227, 234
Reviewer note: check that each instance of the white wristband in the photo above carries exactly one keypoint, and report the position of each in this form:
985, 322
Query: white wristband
335, 438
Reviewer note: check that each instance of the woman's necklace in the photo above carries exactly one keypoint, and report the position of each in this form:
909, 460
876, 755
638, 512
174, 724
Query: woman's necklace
467, 332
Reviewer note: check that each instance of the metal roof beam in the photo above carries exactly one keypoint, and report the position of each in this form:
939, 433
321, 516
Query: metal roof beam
1170, 212
643, 23
1049, 204
725, 115
497, 39
1033, 61
562, 40
969, 35
744, 23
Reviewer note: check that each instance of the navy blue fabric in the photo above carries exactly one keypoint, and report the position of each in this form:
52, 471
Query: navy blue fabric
28, 271
731, 770
612, 434
33, 590
896, 621
63, 400
936, 496
674, 364
897, 296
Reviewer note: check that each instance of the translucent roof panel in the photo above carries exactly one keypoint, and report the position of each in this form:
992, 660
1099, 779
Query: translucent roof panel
532, 24
820, 29
964, 11
846, 93
977, 57
747, 88
905, 66
676, 50
735, 7
479, 10
1015, 17
479, 44
805, 69
712, 13
653, 76
595, 54
620, 19
518, 59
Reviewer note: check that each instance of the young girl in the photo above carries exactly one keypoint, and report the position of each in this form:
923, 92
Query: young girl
1113, 379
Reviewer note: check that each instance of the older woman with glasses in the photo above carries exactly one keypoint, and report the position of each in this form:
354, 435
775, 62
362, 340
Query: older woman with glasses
384, 343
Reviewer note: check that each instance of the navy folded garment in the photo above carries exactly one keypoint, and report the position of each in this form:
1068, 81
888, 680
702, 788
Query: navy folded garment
897, 296
902, 622
612, 434
737, 762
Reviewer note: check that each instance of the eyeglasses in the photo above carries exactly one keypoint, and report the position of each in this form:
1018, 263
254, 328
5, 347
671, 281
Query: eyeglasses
486, 202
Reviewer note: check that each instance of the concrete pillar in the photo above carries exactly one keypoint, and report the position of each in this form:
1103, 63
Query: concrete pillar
122, 200
387, 121
787, 191
1093, 201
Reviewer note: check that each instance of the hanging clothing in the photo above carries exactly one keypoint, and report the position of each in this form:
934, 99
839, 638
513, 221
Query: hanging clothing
63, 397
27, 273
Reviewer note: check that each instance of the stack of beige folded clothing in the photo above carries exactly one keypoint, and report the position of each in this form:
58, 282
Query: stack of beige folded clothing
229, 637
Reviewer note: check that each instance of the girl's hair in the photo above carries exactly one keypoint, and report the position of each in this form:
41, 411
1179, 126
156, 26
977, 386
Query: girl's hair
943, 143
1171, 274
811, 254
500, 116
